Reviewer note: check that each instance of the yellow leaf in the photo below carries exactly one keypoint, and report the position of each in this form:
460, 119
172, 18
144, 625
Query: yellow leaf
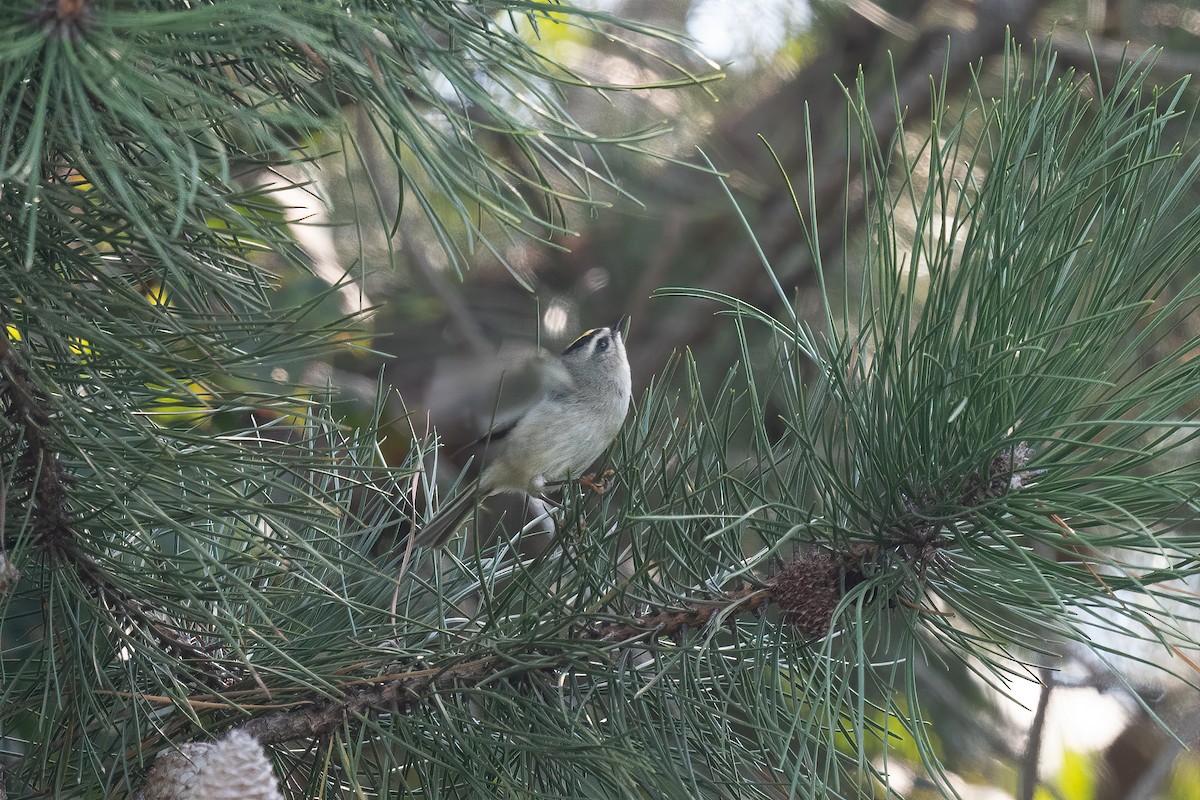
156, 293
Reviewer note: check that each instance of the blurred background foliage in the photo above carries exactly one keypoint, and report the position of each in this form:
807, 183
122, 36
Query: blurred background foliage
445, 279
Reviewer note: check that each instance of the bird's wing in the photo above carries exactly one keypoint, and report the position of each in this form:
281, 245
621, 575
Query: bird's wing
540, 376
496, 434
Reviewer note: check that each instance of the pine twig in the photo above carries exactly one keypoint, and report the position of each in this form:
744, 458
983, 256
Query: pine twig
29, 416
405, 692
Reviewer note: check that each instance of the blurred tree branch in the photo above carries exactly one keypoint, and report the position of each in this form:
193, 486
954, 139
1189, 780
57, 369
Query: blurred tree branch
858, 43
1031, 759
1087, 52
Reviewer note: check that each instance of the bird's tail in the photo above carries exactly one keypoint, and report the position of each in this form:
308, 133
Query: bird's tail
448, 519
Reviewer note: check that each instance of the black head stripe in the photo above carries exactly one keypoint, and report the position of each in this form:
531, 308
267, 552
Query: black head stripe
582, 341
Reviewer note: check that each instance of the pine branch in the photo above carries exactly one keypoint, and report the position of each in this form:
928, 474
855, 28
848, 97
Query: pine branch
405, 693
29, 414
129, 611
807, 590
39, 471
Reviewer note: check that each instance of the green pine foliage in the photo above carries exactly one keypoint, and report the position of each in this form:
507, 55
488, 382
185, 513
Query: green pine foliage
972, 457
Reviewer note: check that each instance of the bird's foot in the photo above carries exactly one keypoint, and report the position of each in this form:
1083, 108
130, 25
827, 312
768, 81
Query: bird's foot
601, 484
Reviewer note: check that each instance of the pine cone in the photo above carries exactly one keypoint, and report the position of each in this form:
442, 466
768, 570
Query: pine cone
174, 773
235, 768
807, 590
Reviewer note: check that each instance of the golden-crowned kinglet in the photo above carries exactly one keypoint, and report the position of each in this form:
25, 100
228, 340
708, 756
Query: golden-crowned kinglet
576, 416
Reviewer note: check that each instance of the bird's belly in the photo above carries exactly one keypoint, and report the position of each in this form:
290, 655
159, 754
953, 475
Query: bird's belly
544, 453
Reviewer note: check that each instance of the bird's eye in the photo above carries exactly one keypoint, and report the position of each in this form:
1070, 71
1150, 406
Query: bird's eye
602, 344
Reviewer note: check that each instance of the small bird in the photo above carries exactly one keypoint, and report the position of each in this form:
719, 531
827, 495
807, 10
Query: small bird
575, 417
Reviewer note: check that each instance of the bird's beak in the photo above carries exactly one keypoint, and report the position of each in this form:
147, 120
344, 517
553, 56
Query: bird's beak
619, 325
